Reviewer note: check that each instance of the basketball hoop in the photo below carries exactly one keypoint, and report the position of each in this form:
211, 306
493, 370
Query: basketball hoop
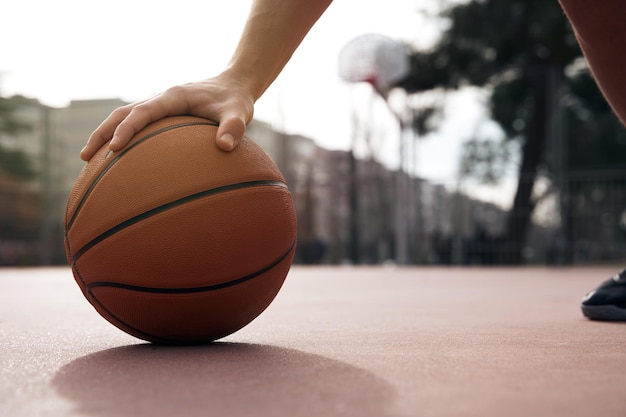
374, 59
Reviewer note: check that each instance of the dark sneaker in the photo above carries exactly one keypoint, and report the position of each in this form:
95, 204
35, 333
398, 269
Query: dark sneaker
608, 301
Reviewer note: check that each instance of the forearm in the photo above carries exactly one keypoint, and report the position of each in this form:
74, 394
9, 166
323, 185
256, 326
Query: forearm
272, 33
601, 33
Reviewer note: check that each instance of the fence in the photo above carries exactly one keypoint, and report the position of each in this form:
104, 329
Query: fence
583, 223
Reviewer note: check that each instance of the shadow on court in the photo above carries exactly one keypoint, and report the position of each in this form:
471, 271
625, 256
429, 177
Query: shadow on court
228, 379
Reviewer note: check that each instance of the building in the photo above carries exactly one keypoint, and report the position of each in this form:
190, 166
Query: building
52, 143
348, 210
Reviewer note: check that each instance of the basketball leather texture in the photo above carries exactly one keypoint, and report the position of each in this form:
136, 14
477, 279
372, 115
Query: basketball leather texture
175, 241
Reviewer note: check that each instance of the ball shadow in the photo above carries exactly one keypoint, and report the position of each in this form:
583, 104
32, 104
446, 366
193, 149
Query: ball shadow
228, 379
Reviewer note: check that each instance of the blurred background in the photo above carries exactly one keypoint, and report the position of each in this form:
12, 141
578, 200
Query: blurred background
410, 132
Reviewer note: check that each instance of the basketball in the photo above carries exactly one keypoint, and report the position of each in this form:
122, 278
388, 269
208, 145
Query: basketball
173, 240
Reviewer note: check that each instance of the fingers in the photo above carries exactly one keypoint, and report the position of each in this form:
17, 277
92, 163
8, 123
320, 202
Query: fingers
123, 123
216, 99
229, 133
233, 121
104, 132
140, 116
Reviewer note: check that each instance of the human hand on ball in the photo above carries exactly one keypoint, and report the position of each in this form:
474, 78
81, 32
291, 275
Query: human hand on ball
222, 99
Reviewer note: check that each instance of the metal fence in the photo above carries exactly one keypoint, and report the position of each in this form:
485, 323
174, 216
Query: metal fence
584, 222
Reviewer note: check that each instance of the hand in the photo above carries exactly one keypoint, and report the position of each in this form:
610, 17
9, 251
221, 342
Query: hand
220, 99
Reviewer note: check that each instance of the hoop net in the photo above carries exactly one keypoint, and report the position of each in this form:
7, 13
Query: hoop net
374, 59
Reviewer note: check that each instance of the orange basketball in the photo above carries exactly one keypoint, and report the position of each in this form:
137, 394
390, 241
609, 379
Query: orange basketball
173, 240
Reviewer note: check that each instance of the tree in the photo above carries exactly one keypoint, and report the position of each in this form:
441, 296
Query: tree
516, 49
20, 211
13, 162
595, 189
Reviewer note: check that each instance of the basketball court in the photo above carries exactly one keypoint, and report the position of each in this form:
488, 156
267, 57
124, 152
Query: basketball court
337, 341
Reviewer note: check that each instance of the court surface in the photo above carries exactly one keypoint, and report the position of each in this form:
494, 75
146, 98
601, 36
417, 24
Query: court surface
342, 341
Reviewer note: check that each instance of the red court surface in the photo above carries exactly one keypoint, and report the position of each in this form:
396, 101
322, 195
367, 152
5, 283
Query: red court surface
336, 342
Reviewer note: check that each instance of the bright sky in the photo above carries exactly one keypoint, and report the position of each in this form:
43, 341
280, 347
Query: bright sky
61, 50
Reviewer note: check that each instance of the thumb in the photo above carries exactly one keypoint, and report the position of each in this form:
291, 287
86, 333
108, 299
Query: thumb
229, 133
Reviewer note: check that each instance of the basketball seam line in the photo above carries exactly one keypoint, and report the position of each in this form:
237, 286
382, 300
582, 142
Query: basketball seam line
191, 290
138, 333
114, 160
164, 207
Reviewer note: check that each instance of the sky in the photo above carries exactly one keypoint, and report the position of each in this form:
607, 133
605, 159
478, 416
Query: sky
62, 50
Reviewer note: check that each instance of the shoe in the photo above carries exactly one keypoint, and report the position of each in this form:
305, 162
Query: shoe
608, 301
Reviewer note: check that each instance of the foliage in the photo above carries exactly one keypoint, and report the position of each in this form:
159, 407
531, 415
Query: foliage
497, 44
596, 137
20, 209
520, 51
16, 163
9, 123
13, 163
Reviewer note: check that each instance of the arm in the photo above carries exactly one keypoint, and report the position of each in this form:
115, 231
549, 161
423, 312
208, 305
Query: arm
273, 31
601, 33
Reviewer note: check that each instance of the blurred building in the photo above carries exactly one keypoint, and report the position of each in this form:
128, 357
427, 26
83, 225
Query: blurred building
52, 143
74, 125
347, 209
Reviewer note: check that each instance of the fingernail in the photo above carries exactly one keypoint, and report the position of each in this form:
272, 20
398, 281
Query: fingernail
228, 140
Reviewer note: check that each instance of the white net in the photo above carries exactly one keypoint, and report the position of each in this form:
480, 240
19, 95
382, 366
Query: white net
375, 59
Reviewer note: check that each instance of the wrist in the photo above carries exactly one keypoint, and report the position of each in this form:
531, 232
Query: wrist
245, 79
